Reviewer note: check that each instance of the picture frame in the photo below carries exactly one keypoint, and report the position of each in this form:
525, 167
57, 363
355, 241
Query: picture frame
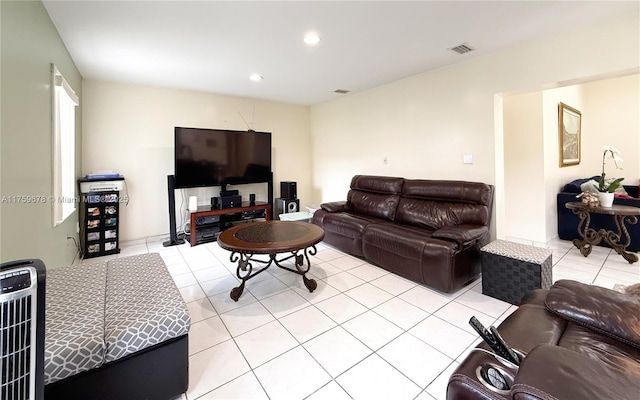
569, 133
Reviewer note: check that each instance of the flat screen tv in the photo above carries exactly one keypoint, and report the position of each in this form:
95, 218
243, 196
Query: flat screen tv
217, 157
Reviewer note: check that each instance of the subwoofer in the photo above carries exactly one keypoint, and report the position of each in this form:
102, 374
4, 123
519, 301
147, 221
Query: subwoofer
284, 206
22, 300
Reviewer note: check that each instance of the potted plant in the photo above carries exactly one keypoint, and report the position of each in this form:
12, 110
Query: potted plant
606, 189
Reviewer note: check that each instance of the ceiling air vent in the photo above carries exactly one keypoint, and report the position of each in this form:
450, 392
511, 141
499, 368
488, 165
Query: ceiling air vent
341, 91
462, 48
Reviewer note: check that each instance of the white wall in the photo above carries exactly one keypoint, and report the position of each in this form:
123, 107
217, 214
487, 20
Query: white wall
30, 43
425, 124
130, 129
524, 178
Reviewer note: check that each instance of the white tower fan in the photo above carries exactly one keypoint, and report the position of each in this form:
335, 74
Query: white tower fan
22, 300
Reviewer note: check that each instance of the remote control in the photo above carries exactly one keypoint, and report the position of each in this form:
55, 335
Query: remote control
513, 357
499, 348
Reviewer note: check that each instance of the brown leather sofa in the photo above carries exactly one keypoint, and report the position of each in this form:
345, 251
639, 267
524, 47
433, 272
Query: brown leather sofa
428, 231
579, 342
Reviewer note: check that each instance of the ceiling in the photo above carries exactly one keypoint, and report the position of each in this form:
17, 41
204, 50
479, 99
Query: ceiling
213, 46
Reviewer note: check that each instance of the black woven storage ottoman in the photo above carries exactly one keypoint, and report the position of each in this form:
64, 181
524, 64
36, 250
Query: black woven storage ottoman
510, 270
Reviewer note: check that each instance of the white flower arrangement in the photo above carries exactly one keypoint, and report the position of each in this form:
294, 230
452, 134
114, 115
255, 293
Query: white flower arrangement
614, 154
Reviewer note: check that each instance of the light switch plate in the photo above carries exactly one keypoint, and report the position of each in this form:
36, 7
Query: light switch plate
467, 159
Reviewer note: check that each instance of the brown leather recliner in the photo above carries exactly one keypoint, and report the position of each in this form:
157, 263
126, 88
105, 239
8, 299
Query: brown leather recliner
579, 342
429, 231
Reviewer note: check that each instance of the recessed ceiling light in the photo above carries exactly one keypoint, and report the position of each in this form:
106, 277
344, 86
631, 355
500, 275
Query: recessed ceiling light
256, 77
311, 38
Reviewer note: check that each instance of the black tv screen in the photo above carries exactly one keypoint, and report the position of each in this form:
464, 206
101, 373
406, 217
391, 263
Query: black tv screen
216, 157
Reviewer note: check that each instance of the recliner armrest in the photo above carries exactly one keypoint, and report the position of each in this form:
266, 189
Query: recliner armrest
552, 372
335, 206
608, 312
462, 234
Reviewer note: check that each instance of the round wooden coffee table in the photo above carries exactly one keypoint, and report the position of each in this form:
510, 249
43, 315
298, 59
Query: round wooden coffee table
271, 238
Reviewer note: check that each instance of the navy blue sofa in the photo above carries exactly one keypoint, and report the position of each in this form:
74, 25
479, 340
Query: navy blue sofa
568, 221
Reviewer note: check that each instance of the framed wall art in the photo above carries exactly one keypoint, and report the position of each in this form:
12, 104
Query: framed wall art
569, 130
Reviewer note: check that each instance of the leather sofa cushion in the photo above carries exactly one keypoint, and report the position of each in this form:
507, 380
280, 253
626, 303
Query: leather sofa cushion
411, 251
551, 372
611, 313
404, 240
376, 205
531, 325
435, 204
600, 347
437, 214
454, 191
376, 196
345, 224
377, 184
462, 234
335, 206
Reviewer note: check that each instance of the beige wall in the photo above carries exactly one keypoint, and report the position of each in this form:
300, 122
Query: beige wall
425, 124
612, 115
130, 129
524, 177
30, 43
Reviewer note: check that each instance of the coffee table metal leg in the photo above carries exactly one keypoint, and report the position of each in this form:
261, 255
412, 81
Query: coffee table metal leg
299, 261
236, 292
244, 265
245, 271
311, 284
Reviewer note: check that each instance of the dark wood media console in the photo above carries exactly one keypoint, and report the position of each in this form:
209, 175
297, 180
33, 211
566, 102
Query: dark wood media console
245, 215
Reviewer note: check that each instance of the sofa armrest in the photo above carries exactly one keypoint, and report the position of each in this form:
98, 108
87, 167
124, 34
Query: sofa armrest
462, 234
608, 312
335, 206
552, 372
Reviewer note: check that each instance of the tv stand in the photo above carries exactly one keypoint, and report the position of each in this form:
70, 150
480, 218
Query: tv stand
246, 213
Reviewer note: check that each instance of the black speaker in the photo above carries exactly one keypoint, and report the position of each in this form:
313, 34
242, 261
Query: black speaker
288, 190
173, 233
231, 201
252, 199
284, 206
214, 203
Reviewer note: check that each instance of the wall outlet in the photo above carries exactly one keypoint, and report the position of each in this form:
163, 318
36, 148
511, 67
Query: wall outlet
467, 159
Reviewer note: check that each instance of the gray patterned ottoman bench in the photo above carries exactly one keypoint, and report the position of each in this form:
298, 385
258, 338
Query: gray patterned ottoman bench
115, 330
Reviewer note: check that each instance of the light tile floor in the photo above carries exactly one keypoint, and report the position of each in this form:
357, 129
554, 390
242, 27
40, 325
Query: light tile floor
364, 333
